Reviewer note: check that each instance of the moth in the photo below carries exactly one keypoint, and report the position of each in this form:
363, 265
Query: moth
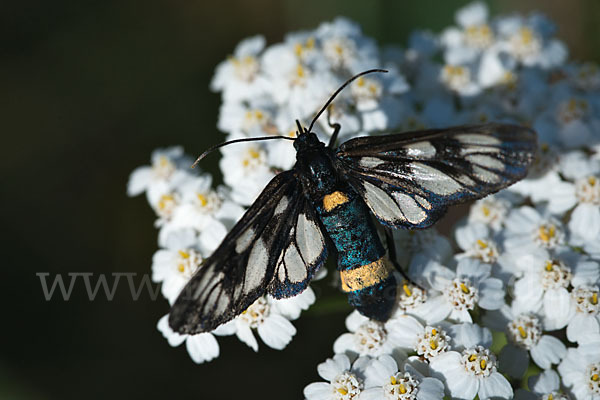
325, 203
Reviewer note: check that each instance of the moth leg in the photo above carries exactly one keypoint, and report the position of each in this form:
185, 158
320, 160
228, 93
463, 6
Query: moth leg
393, 256
336, 128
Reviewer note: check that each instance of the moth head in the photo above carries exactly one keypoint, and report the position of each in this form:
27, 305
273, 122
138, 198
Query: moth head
307, 140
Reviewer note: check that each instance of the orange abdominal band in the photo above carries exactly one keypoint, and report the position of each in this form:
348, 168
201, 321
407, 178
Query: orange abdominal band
366, 275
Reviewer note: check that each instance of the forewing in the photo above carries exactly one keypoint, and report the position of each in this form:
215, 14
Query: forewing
240, 269
304, 251
409, 179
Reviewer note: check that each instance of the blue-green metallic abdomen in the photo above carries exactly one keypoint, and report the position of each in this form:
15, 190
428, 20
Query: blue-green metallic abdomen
352, 231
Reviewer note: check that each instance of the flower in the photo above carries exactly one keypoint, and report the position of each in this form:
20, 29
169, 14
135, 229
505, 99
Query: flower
544, 287
385, 381
428, 341
345, 380
471, 372
586, 320
462, 290
175, 265
367, 337
526, 337
580, 370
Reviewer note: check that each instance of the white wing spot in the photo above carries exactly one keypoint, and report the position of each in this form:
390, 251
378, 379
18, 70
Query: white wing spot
206, 278
296, 270
465, 180
477, 139
210, 302
423, 202
381, 204
485, 175
478, 149
434, 180
370, 162
283, 204
420, 150
257, 266
222, 304
486, 161
309, 239
411, 210
244, 240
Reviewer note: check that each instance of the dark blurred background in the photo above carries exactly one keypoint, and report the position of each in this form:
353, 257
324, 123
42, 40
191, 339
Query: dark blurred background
87, 90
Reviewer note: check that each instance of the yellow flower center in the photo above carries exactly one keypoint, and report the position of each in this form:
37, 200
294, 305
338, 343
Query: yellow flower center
464, 288
547, 232
165, 201
202, 199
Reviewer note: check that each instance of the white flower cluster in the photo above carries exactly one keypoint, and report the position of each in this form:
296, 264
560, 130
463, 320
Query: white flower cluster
523, 264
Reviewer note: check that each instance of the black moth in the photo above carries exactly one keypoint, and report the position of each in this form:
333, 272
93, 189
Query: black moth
326, 202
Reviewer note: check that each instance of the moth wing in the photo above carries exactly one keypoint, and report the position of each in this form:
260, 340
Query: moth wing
409, 179
303, 252
243, 265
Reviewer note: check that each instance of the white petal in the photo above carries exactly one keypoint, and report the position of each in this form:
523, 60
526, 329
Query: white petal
332, 367
372, 393
571, 367
585, 221
174, 338
430, 389
354, 320
448, 368
318, 391
379, 370
460, 315
582, 325
562, 197
225, 329
549, 350
139, 180
406, 329
293, 306
276, 331
244, 333
344, 343
473, 269
491, 294
546, 382
329, 369
495, 386
435, 309
470, 335
586, 273
202, 347
557, 308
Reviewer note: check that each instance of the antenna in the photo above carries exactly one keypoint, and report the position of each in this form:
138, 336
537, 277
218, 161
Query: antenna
339, 90
211, 149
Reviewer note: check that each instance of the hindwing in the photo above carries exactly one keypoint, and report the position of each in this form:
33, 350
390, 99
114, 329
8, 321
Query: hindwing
409, 179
